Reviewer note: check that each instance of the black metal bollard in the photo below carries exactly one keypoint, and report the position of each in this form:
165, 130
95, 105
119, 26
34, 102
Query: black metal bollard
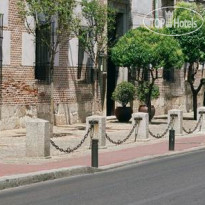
171, 140
94, 153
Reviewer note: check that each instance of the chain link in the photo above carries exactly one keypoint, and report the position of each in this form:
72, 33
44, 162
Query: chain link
195, 128
69, 150
124, 140
158, 136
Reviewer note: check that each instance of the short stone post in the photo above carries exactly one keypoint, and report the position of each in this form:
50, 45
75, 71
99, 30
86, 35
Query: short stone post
178, 120
201, 110
143, 126
37, 138
99, 128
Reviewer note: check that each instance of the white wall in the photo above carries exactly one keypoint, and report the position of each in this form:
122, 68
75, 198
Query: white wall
142, 7
28, 49
139, 10
6, 47
73, 52
4, 9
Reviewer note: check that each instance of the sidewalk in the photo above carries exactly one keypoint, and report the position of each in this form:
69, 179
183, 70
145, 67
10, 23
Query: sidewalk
15, 163
108, 158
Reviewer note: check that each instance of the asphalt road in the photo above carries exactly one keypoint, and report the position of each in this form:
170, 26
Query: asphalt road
169, 181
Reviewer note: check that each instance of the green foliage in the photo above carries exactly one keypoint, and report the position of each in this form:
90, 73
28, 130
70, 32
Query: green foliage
143, 52
124, 93
193, 45
140, 48
46, 11
98, 18
143, 91
54, 16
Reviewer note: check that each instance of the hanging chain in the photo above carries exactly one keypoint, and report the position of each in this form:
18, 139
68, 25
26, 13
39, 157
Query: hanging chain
195, 128
137, 129
69, 150
124, 140
158, 136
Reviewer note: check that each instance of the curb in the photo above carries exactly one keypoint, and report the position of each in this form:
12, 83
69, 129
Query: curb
150, 157
34, 177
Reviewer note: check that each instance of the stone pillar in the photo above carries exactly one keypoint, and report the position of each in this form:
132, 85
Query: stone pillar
178, 120
99, 128
143, 129
37, 138
201, 110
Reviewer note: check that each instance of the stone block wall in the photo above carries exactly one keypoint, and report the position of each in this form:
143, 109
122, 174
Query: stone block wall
22, 96
174, 95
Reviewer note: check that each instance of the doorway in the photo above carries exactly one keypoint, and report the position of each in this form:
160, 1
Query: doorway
112, 70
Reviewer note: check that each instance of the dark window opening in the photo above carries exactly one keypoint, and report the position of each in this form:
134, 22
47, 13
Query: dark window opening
43, 40
1, 40
81, 52
146, 75
168, 75
85, 70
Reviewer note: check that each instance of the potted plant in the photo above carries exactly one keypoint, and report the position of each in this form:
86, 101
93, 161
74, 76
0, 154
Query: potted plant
124, 93
143, 53
142, 94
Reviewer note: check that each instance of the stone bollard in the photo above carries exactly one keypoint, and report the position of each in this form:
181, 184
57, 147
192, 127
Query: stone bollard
201, 110
143, 129
99, 128
178, 120
37, 138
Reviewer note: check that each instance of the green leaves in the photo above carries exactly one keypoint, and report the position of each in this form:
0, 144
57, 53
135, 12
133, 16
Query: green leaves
140, 48
97, 17
124, 93
144, 51
143, 91
47, 11
193, 45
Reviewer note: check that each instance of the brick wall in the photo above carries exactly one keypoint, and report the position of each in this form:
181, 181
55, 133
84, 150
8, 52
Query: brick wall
24, 97
175, 95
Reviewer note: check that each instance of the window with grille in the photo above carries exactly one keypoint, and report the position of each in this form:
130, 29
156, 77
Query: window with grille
168, 74
43, 40
1, 39
85, 72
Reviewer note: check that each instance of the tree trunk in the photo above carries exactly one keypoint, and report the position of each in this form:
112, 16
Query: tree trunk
95, 85
193, 90
195, 104
149, 105
204, 99
148, 101
191, 78
95, 92
52, 92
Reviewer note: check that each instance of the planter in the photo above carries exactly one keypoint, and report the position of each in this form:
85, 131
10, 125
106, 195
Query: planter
123, 114
144, 108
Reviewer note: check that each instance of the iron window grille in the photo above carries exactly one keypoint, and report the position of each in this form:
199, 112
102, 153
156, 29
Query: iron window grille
168, 75
1, 39
44, 38
84, 59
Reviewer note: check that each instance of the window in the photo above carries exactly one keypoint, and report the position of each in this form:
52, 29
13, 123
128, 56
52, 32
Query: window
1, 39
168, 75
85, 72
43, 40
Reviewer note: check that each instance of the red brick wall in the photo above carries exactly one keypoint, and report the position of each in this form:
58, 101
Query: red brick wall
19, 86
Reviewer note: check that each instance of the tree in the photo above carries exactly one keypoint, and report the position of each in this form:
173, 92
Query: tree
193, 46
97, 19
143, 53
54, 16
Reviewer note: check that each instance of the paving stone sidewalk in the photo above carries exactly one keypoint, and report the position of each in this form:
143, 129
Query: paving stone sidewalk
12, 147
